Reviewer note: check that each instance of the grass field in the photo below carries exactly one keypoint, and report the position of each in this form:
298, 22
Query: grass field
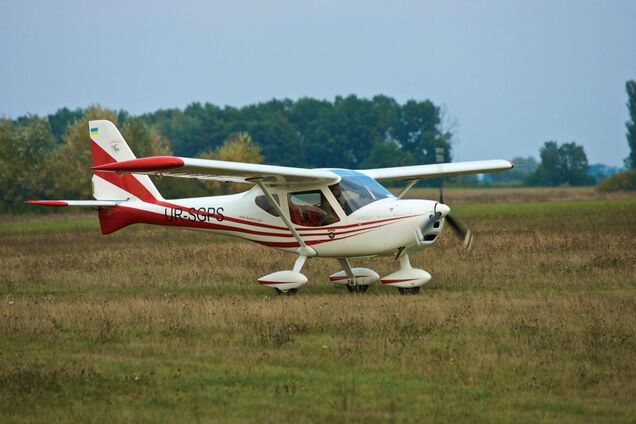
536, 324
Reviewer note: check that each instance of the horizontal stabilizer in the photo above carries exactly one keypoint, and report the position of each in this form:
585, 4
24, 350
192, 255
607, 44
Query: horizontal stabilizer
87, 203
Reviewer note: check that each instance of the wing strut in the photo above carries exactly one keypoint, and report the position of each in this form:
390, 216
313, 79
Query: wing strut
346, 266
303, 250
407, 187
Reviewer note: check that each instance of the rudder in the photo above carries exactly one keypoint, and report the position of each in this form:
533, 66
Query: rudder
108, 146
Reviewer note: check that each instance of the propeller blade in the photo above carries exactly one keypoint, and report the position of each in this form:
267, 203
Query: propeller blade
462, 232
429, 224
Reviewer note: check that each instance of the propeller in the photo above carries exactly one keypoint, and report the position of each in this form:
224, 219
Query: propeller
460, 229
429, 224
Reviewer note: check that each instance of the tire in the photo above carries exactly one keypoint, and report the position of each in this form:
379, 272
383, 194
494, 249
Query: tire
289, 292
357, 289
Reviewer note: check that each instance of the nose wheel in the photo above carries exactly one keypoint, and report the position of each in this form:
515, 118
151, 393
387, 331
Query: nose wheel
409, 290
357, 280
289, 292
357, 288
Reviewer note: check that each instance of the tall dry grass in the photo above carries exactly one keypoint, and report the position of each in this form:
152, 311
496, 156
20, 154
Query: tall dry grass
537, 323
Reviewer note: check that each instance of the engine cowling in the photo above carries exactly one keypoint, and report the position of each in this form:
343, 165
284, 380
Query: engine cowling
363, 277
283, 280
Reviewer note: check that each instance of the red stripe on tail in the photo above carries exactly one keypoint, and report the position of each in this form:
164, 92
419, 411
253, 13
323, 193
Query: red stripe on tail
126, 182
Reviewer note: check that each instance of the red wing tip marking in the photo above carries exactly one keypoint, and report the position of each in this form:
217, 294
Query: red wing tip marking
397, 281
156, 163
273, 282
53, 203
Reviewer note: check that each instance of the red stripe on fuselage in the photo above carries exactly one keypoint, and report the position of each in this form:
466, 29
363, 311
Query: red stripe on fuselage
277, 227
309, 231
134, 215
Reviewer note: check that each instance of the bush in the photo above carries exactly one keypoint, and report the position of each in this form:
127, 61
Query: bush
623, 181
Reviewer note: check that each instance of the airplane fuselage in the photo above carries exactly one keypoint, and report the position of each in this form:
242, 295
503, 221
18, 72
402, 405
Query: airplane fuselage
378, 228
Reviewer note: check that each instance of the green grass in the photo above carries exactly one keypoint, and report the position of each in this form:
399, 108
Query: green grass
58, 224
537, 323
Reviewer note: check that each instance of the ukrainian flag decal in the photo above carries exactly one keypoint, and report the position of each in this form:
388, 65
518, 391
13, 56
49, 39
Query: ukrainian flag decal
94, 131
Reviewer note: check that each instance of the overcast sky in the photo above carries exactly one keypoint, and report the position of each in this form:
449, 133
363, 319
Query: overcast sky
510, 74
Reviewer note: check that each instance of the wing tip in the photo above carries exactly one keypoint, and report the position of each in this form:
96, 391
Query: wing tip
155, 163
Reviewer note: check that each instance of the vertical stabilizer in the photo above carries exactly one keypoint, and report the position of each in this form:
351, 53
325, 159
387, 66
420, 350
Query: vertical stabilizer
108, 146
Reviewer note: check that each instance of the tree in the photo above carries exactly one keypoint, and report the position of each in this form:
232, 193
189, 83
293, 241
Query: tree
386, 154
321, 141
565, 164
61, 120
24, 150
418, 131
623, 181
524, 166
630, 161
238, 147
71, 163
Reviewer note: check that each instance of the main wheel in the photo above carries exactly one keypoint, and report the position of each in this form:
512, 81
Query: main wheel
357, 288
409, 290
289, 292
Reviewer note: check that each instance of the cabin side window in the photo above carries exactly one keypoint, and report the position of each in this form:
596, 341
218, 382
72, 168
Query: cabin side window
311, 209
263, 202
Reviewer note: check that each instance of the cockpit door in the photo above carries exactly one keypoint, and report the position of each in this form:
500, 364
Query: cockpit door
311, 208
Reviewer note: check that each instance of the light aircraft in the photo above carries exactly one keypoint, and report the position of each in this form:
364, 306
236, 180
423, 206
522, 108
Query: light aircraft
312, 213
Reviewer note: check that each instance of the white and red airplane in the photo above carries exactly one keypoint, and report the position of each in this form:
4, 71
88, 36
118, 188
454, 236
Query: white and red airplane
322, 213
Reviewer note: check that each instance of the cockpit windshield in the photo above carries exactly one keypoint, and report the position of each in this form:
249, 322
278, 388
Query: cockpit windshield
356, 190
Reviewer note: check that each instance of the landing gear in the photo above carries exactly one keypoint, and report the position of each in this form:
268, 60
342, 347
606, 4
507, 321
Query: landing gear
286, 282
289, 292
357, 280
409, 290
357, 288
407, 279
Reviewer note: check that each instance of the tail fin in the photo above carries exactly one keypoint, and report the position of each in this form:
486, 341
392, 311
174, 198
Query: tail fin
108, 146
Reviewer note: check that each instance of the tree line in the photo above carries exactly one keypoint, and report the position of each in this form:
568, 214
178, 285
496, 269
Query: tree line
348, 132
49, 157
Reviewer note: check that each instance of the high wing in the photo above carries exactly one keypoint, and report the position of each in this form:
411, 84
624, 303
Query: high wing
206, 169
417, 172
